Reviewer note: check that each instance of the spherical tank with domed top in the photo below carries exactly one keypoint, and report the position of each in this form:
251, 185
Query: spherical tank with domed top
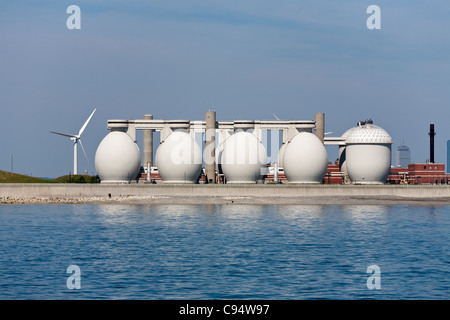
368, 154
118, 158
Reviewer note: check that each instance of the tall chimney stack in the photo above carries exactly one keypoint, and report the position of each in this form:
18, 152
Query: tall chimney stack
432, 133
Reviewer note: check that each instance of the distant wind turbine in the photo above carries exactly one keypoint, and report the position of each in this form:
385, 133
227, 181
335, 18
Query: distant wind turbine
75, 139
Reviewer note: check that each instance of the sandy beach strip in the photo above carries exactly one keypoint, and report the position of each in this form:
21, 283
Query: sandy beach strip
227, 200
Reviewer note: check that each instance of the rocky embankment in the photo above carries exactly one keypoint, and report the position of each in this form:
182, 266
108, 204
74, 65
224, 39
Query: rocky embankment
36, 200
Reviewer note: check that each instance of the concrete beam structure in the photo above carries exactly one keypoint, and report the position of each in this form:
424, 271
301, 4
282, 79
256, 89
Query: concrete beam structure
334, 141
224, 128
130, 126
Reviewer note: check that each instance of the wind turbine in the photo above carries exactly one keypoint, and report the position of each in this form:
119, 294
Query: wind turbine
75, 139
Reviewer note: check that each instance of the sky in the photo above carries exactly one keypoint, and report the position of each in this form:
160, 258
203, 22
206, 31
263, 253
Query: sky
247, 59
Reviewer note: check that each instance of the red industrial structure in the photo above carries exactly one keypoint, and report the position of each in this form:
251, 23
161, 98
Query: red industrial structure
416, 173
419, 173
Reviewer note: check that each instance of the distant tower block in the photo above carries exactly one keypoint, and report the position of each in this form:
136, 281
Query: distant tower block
210, 146
403, 156
148, 143
320, 126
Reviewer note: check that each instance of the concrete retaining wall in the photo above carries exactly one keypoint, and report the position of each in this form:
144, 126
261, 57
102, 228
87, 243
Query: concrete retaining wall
438, 192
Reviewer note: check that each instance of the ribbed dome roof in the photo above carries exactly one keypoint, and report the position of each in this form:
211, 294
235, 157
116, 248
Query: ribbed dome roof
367, 133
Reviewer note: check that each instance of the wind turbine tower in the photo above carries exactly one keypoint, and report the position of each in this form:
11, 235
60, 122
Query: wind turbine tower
75, 138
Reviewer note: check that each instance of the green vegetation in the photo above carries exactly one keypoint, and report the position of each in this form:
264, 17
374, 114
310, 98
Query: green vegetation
9, 177
76, 179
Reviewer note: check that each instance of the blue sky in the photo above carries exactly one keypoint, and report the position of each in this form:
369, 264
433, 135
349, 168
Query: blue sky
246, 59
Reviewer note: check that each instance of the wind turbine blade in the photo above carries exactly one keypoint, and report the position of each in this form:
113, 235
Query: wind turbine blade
64, 134
86, 123
82, 148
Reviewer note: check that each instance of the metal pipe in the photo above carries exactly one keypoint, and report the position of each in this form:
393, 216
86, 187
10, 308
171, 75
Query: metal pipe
275, 172
149, 168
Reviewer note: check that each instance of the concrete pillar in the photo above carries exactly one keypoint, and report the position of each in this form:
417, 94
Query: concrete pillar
131, 131
148, 143
210, 146
285, 134
258, 132
165, 132
320, 125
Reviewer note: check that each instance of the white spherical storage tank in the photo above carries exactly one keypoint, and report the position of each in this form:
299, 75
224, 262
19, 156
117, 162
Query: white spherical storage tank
305, 159
118, 158
281, 154
342, 151
368, 154
179, 158
243, 159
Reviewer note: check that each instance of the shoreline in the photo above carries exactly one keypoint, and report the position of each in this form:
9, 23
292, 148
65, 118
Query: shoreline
225, 194
222, 201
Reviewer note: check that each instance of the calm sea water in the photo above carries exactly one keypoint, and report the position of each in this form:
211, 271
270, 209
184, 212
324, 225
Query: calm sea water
224, 252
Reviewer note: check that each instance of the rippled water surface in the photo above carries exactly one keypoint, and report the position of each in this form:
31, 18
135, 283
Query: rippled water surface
224, 252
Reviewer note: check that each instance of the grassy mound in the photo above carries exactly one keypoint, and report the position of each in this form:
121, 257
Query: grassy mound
9, 177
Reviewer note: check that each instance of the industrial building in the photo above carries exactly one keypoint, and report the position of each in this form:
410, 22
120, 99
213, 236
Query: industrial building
448, 156
419, 173
234, 153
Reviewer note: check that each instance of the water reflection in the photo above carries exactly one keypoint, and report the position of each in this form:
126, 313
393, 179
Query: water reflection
114, 213
366, 214
242, 211
301, 212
